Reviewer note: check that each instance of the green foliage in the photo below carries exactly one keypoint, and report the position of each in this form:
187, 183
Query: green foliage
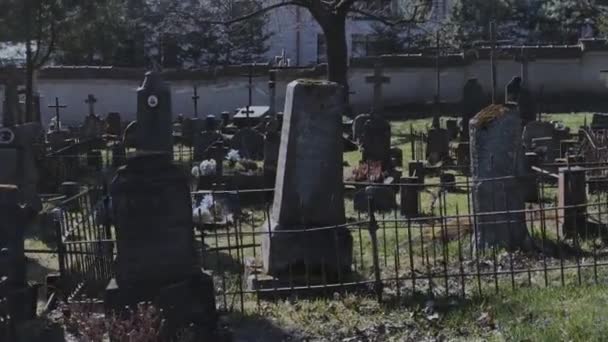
521, 21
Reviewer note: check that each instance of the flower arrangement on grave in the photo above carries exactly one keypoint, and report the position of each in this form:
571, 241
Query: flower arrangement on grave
211, 210
369, 172
205, 168
233, 157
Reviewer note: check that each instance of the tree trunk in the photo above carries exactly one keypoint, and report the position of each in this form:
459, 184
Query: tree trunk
29, 64
334, 29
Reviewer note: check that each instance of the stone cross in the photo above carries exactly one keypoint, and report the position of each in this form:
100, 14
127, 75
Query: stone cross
91, 100
195, 99
378, 80
57, 108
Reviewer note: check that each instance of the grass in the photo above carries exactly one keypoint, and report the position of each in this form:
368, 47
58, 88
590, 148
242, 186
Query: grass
570, 312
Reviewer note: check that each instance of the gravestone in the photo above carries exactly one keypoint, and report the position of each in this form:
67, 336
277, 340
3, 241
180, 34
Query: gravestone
497, 165
416, 169
472, 103
203, 141
448, 182
19, 148
376, 142
358, 124
451, 126
309, 190
190, 128
249, 143
93, 126
536, 129
572, 201
114, 124
599, 121
21, 296
119, 154
11, 113
397, 157
410, 196
154, 119
438, 145
151, 199
272, 143
531, 181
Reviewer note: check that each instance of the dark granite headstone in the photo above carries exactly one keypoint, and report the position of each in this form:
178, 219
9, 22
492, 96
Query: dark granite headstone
472, 103
21, 296
376, 141
19, 148
249, 143
572, 200
272, 143
599, 121
309, 190
438, 145
154, 118
203, 141
155, 242
410, 196
452, 127
114, 124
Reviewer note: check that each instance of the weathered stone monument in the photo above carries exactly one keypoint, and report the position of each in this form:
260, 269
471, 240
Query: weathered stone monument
154, 118
497, 165
309, 186
157, 260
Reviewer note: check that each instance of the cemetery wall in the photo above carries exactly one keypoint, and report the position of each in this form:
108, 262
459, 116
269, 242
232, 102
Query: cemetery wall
566, 74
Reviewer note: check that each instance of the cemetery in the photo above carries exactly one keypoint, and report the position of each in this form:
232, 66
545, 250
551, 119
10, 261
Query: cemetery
304, 208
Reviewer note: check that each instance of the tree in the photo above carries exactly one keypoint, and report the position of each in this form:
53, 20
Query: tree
562, 20
331, 16
94, 32
35, 23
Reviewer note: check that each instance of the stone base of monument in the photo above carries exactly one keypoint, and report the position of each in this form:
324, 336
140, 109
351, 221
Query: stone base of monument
296, 254
186, 302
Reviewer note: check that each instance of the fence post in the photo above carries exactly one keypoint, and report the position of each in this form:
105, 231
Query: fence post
373, 228
60, 254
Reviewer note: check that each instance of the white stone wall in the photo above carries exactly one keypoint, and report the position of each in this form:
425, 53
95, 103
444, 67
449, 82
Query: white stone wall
409, 85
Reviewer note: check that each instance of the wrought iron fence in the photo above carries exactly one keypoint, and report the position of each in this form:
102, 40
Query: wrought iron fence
85, 246
434, 254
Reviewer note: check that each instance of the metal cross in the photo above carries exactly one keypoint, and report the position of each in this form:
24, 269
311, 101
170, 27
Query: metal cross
91, 100
195, 99
250, 75
57, 107
378, 80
